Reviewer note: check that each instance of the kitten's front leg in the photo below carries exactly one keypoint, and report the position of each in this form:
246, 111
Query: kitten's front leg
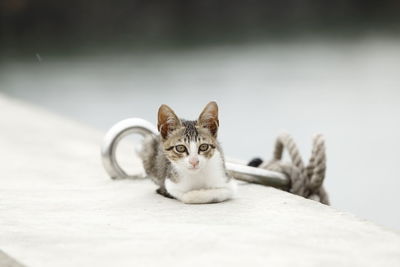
203, 196
211, 195
173, 189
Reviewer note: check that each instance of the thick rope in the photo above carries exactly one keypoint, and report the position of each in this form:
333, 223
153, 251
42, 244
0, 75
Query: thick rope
306, 181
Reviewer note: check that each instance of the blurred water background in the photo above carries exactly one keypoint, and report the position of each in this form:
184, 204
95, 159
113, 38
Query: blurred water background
304, 67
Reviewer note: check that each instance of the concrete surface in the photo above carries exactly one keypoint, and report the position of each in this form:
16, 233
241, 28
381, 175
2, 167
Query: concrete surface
7, 261
59, 208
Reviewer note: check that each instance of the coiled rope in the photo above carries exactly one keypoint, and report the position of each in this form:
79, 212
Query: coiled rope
306, 181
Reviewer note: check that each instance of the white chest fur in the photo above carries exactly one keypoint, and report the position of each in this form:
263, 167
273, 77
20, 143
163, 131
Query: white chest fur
209, 184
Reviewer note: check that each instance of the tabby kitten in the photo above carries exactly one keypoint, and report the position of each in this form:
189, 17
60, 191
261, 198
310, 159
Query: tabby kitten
186, 160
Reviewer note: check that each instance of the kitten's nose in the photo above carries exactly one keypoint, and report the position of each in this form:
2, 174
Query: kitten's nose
194, 161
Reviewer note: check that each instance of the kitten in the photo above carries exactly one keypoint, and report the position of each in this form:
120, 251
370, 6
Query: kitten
186, 160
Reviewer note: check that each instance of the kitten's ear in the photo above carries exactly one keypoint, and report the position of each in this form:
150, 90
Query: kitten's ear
209, 118
167, 121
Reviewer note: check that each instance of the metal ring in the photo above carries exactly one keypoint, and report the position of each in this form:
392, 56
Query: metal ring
112, 138
143, 127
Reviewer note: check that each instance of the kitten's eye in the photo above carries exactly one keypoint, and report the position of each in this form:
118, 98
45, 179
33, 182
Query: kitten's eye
180, 148
204, 147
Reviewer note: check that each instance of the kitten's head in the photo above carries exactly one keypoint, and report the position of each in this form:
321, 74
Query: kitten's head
189, 145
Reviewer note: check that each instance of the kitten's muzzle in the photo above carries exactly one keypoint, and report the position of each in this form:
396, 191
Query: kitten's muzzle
194, 161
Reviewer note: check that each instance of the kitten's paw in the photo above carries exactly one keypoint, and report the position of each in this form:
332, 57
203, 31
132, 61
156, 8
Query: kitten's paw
195, 197
204, 196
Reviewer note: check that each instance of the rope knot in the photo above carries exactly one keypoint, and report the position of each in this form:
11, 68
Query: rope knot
306, 181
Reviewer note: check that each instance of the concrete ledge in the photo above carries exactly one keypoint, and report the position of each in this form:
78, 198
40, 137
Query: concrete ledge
7, 261
59, 208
